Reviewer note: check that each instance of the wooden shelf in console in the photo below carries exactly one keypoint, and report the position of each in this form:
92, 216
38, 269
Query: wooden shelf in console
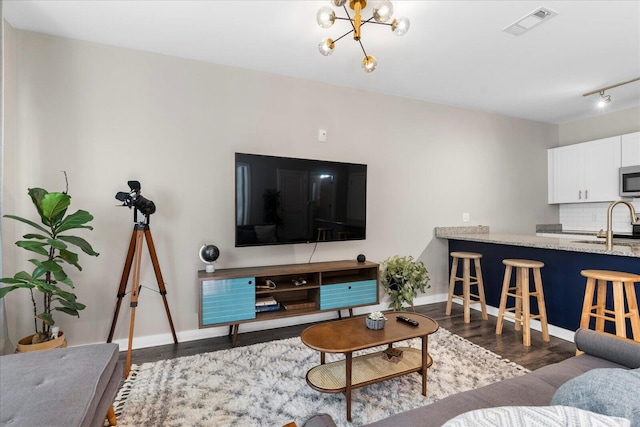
227, 296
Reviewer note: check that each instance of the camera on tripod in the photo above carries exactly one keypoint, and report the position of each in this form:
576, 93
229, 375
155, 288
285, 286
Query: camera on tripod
141, 207
134, 199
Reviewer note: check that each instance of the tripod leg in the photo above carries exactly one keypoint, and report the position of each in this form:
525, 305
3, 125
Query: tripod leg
160, 280
134, 295
123, 283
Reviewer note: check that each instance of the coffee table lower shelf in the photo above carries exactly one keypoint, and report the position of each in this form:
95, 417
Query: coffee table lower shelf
366, 369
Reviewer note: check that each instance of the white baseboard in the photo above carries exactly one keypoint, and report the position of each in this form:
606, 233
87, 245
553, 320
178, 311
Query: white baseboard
198, 334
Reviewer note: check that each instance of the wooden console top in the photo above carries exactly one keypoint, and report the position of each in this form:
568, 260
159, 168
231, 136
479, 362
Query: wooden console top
289, 269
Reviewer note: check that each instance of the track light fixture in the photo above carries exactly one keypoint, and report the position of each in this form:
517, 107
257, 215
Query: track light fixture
606, 99
382, 12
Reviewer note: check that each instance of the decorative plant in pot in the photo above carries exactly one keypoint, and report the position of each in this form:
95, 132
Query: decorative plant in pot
375, 320
48, 277
402, 278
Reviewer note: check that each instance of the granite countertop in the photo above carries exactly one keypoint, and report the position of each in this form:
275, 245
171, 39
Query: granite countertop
629, 248
573, 232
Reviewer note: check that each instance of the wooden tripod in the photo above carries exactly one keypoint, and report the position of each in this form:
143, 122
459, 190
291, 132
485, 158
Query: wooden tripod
134, 257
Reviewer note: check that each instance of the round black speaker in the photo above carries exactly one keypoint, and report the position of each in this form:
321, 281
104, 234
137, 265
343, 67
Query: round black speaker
361, 258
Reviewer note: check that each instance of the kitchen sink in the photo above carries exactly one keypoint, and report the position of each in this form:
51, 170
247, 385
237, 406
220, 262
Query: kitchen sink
616, 242
624, 236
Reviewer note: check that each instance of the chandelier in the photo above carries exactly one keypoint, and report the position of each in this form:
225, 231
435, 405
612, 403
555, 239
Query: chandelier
382, 12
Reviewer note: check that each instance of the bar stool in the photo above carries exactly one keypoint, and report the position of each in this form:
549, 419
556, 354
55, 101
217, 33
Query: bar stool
623, 285
467, 282
344, 235
522, 294
324, 232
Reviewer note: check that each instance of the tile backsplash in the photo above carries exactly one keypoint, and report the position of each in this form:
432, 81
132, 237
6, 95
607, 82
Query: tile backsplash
593, 216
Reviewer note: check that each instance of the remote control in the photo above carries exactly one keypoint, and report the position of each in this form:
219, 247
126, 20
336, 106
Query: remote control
407, 320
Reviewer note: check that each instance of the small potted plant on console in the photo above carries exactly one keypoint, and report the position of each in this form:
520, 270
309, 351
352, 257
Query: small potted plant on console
402, 278
375, 320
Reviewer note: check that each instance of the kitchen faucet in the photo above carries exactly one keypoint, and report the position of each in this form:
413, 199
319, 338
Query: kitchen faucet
609, 233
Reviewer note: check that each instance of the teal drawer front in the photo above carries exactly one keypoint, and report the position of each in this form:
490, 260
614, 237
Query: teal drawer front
348, 294
228, 300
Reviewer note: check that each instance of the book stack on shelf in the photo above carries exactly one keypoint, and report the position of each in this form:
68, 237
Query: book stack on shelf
298, 304
267, 304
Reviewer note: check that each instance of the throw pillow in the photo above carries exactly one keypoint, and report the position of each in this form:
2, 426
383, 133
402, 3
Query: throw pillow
608, 391
539, 416
320, 420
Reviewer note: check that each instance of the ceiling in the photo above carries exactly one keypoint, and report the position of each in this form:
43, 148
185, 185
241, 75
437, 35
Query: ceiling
455, 52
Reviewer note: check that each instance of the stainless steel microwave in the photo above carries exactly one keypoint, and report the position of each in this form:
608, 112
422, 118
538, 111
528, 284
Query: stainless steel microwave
630, 181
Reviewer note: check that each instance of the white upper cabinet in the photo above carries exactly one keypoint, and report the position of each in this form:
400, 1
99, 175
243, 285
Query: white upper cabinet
631, 149
586, 172
565, 176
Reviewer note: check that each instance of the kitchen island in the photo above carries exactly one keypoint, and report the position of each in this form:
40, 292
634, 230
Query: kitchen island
563, 258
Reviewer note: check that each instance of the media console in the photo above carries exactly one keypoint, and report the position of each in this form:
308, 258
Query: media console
228, 296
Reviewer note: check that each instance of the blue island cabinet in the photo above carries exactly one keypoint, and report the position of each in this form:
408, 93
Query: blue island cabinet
562, 282
228, 300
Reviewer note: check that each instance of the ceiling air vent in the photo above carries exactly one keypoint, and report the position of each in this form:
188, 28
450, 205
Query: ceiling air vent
529, 21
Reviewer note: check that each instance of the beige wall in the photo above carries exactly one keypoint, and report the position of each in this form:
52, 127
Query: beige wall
107, 115
602, 126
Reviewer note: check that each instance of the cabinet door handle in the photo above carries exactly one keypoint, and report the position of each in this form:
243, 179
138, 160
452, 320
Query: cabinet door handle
586, 194
579, 194
349, 287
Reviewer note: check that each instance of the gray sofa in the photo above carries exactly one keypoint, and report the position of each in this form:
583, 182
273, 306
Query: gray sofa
72, 386
536, 388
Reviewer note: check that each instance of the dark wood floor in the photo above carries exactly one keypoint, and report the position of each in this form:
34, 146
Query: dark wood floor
508, 345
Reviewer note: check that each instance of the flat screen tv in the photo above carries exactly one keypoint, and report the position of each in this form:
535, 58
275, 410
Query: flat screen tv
282, 200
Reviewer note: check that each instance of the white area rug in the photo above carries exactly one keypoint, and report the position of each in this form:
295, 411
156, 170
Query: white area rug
264, 385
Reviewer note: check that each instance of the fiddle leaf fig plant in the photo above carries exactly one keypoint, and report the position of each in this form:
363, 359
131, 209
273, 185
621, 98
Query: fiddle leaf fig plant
56, 249
402, 278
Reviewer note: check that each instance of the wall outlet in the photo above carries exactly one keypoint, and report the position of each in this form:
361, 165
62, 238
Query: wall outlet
466, 217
